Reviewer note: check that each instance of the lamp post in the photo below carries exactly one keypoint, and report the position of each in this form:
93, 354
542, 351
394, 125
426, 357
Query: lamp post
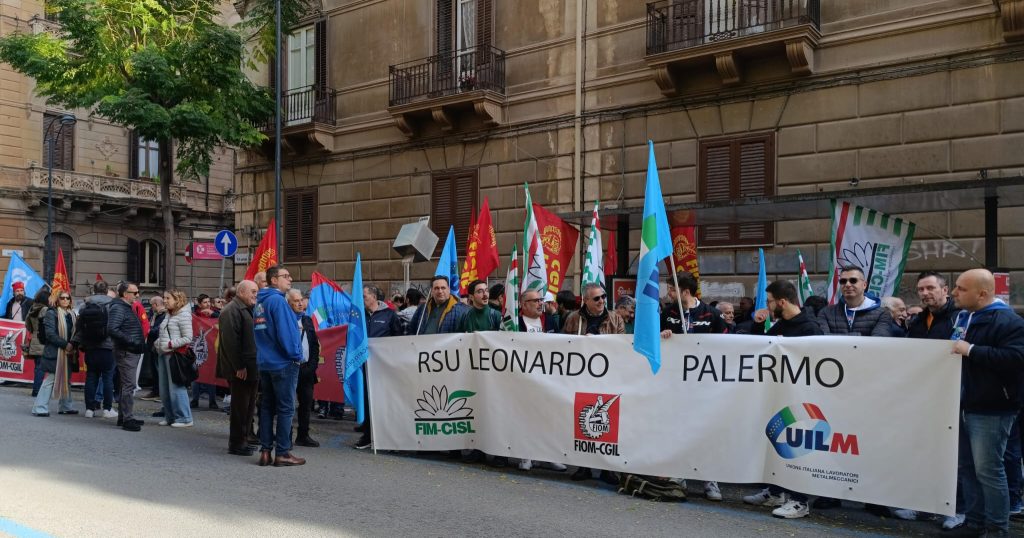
51, 137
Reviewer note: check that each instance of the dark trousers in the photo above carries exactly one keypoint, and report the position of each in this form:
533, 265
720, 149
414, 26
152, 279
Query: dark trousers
37, 375
99, 365
366, 403
1012, 462
243, 408
304, 393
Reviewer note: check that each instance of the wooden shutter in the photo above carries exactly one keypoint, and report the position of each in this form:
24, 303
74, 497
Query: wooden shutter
734, 169
320, 37
444, 43
134, 267
300, 225
453, 202
484, 23
63, 146
686, 25
752, 13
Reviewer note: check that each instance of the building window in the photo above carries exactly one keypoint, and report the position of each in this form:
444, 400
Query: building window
63, 145
145, 262
62, 242
453, 201
300, 225
145, 157
732, 169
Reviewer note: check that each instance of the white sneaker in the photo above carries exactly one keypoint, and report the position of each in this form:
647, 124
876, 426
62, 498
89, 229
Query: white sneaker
525, 465
557, 467
953, 522
109, 413
162, 423
792, 510
88, 413
181, 425
712, 492
765, 498
903, 513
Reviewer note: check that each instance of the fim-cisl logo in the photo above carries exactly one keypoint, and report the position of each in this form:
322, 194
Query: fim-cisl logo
799, 430
441, 413
596, 428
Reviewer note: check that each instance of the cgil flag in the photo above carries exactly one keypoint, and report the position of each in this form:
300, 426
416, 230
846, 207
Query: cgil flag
357, 348
655, 245
61, 282
448, 263
593, 264
611, 259
20, 271
535, 277
487, 259
510, 316
469, 264
266, 253
869, 239
803, 287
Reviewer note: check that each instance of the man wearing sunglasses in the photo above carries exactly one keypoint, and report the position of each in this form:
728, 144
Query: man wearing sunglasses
126, 332
855, 313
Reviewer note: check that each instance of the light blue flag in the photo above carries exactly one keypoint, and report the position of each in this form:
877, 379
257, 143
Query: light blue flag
655, 245
357, 346
448, 263
761, 297
19, 271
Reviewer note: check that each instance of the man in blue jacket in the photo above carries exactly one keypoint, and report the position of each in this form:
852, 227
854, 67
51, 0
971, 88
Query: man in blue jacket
989, 337
278, 354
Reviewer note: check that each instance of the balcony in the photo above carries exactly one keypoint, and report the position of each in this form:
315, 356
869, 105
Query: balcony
683, 36
93, 192
453, 89
307, 121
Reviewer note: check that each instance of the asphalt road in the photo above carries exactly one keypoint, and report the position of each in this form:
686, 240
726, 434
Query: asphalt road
77, 477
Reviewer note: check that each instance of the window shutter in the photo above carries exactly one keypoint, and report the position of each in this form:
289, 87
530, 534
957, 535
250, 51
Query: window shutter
731, 170
485, 23
716, 180
291, 225
320, 36
160, 259
300, 225
686, 21
133, 270
453, 203
63, 145
445, 43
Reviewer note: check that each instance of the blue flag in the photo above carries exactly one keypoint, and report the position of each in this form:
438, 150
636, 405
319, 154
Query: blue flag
448, 263
19, 271
357, 347
655, 245
761, 297
329, 306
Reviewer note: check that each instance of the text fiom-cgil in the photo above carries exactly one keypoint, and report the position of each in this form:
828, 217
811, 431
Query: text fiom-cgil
522, 361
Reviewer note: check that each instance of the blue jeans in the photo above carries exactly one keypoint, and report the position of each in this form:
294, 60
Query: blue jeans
1011, 460
38, 373
986, 496
42, 404
95, 372
174, 397
278, 397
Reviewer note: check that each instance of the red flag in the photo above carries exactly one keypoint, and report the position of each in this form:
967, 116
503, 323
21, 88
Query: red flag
318, 278
99, 277
205, 333
469, 264
266, 253
559, 240
487, 255
611, 255
332, 351
60, 278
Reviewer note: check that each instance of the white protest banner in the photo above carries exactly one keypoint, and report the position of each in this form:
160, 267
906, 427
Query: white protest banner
865, 419
871, 240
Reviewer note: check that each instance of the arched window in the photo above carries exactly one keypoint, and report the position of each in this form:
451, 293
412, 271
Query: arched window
145, 262
63, 242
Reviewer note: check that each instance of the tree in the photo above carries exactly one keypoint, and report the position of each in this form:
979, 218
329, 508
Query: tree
164, 68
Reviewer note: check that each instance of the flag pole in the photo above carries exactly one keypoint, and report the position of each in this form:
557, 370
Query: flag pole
679, 299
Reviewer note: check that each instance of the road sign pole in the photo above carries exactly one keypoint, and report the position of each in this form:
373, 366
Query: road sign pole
220, 290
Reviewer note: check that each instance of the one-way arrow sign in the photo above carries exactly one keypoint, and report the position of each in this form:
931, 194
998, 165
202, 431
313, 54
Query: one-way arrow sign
226, 243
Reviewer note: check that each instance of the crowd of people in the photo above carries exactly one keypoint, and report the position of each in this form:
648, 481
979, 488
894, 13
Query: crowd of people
269, 350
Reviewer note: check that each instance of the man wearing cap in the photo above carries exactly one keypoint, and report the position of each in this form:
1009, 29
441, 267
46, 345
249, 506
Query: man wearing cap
19, 305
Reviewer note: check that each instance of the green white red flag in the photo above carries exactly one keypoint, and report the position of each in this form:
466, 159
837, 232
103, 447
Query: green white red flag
510, 316
593, 264
804, 282
535, 277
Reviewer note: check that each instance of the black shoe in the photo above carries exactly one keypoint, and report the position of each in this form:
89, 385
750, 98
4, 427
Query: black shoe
454, 454
71, 412
322, 415
246, 451
363, 443
194, 404
307, 441
609, 477
120, 421
474, 456
824, 503
131, 426
158, 414
498, 461
361, 428
214, 406
40, 414
582, 473
877, 510
137, 421
34, 394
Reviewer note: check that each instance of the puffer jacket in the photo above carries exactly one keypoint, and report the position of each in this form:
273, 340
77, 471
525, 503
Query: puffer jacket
872, 320
124, 327
175, 331
33, 324
993, 370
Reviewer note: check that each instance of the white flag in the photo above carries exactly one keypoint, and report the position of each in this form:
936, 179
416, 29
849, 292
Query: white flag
871, 240
510, 317
593, 265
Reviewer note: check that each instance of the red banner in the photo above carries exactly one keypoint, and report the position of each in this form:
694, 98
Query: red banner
559, 240
487, 255
13, 363
60, 278
205, 251
205, 336
266, 253
684, 249
469, 264
332, 350
622, 287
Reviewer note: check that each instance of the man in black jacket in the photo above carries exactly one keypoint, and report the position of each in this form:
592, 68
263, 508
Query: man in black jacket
936, 321
236, 362
855, 313
989, 337
19, 305
307, 369
125, 332
697, 317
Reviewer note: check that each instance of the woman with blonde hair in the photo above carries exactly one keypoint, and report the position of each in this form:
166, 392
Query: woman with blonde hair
58, 357
175, 332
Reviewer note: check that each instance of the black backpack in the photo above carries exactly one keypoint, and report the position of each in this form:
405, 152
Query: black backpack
40, 326
92, 324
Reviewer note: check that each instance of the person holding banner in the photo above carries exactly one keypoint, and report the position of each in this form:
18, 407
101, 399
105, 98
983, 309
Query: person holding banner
381, 321
696, 317
58, 355
236, 362
989, 338
441, 314
480, 317
856, 313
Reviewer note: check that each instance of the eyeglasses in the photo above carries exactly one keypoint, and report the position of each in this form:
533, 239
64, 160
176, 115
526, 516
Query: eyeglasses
599, 298
843, 281
533, 300
65, 298
133, 292
284, 275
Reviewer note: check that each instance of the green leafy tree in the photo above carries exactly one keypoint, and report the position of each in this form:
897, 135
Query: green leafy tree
164, 68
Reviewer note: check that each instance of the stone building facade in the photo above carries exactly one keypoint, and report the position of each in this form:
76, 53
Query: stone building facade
397, 109
107, 216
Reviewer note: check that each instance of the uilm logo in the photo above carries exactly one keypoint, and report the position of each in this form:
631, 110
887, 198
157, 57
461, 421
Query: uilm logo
596, 430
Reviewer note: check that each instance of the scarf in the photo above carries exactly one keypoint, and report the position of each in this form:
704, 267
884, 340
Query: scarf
61, 379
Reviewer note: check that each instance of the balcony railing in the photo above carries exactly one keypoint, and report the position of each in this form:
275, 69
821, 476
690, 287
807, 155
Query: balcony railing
679, 24
449, 73
105, 187
308, 104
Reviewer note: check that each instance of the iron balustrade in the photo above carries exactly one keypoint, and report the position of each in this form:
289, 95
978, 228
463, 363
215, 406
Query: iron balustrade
679, 24
307, 104
448, 73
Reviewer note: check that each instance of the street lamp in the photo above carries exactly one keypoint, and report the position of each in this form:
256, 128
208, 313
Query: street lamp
50, 137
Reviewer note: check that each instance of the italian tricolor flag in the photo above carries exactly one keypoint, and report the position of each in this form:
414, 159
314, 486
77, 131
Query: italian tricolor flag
536, 274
